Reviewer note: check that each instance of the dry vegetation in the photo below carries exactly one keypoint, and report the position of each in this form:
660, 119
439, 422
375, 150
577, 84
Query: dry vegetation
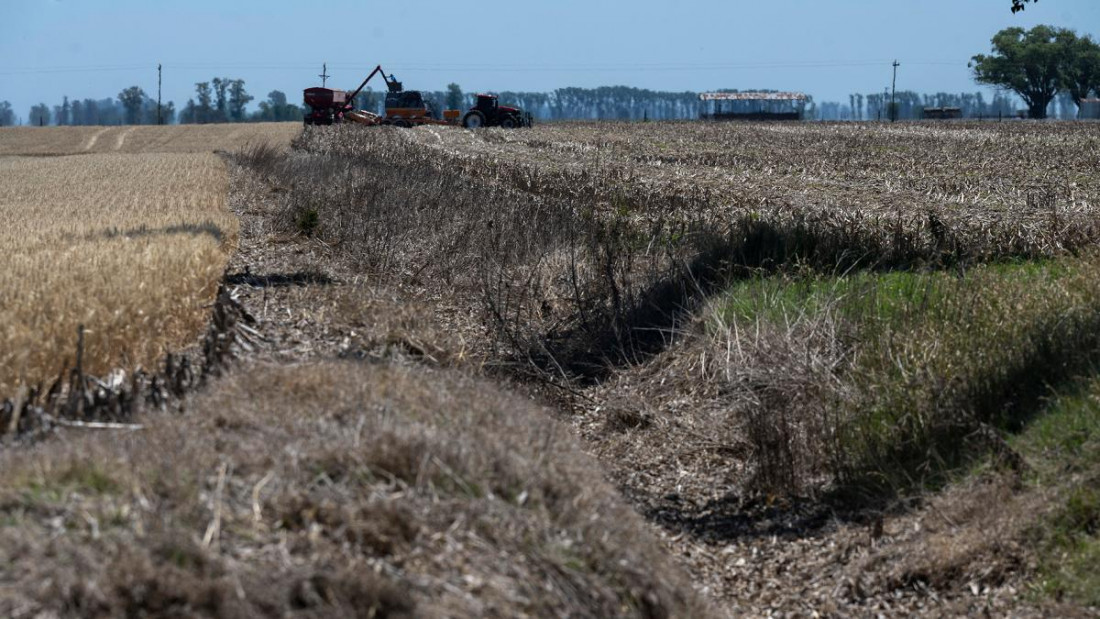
131, 246
779, 341
331, 488
141, 139
715, 304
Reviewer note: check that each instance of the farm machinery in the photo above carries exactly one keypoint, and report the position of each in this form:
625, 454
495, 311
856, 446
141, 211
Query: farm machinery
406, 108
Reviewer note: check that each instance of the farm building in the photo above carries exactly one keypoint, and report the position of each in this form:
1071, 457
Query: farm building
941, 113
1090, 109
752, 105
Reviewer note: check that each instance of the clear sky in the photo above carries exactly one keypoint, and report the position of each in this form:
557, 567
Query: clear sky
827, 48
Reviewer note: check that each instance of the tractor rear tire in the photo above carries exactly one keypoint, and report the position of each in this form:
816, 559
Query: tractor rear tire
473, 120
508, 122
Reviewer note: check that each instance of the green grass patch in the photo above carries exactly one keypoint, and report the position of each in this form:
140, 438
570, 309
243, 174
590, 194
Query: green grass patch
1063, 448
83, 477
931, 357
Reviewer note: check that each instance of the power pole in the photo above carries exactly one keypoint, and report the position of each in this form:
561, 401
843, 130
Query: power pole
893, 94
160, 119
324, 74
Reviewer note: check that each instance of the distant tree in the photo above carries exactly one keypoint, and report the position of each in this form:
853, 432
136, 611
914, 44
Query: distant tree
149, 112
367, 100
132, 99
40, 115
62, 114
203, 112
454, 96
238, 99
7, 115
1081, 72
276, 109
221, 100
1031, 63
76, 113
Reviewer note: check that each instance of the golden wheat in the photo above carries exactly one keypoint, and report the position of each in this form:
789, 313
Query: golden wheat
142, 139
131, 246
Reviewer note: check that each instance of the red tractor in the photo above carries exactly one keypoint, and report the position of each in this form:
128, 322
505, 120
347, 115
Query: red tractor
488, 113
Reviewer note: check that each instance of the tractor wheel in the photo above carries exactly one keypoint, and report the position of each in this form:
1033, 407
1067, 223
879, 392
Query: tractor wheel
508, 122
473, 120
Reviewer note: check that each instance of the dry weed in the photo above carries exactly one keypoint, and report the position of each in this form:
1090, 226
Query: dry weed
331, 488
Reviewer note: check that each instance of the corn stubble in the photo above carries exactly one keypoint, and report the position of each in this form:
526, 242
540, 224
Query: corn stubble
590, 245
131, 246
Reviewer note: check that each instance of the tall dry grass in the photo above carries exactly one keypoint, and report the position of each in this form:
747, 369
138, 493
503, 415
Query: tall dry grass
131, 246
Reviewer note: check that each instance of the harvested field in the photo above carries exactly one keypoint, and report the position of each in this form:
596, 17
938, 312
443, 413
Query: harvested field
142, 139
131, 246
801, 352
735, 334
879, 194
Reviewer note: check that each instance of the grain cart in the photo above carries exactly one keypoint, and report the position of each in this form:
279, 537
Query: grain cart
326, 106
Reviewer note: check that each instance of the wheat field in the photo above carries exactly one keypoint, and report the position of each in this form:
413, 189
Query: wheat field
142, 139
129, 244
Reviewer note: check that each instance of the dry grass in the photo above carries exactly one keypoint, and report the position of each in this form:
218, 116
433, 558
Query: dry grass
333, 488
828, 192
142, 139
131, 246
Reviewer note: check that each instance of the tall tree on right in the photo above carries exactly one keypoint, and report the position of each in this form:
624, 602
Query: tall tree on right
1081, 73
1031, 63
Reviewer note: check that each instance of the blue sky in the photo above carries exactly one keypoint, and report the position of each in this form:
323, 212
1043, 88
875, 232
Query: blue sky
828, 48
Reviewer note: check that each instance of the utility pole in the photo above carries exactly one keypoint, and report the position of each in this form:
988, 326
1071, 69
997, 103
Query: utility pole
324, 74
893, 94
160, 119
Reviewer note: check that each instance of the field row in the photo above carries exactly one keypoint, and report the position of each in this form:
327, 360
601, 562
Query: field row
919, 190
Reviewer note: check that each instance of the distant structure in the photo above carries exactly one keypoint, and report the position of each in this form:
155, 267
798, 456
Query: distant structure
752, 105
941, 113
1090, 109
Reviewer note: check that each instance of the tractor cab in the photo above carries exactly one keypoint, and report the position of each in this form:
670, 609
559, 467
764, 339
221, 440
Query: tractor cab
487, 104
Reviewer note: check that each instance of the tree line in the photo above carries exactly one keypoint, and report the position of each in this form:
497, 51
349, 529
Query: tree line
1053, 70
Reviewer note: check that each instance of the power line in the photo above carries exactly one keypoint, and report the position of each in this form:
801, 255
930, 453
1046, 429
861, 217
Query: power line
488, 68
